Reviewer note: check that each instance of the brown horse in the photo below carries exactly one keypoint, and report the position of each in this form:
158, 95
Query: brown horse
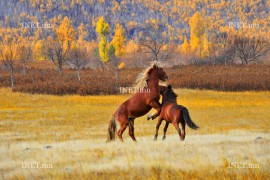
140, 103
173, 113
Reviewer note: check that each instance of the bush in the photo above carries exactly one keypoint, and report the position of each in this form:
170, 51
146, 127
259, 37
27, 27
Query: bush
46, 80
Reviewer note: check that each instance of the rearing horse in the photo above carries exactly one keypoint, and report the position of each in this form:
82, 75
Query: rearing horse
140, 103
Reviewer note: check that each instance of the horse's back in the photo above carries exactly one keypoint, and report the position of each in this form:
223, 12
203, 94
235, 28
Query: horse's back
170, 111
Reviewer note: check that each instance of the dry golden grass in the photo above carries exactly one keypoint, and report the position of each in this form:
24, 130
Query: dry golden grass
75, 129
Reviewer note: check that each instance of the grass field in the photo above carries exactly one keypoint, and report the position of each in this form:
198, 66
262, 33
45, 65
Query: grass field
69, 132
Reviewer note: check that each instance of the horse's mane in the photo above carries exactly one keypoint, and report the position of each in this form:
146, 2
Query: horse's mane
141, 80
171, 96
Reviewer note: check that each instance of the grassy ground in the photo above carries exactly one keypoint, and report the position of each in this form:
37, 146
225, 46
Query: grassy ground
70, 133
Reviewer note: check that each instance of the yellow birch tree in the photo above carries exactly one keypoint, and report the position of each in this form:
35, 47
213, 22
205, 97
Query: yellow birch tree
119, 40
102, 29
197, 30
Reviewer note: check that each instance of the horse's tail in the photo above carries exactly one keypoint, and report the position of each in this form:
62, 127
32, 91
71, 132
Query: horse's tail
112, 129
187, 118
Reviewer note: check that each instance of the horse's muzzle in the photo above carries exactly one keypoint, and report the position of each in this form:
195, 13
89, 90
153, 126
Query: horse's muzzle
165, 78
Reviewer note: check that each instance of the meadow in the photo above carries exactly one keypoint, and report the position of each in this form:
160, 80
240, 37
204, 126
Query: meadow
68, 133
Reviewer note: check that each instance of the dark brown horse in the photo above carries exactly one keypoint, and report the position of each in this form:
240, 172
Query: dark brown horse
140, 103
173, 113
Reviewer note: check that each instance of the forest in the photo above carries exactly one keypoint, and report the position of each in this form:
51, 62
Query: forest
81, 35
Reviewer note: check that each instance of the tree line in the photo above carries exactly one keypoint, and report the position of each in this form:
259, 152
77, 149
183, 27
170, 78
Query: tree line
67, 46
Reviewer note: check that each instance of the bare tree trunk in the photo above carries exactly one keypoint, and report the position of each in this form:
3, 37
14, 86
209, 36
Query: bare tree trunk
116, 78
156, 57
12, 77
78, 75
60, 70
103, 66
24, 69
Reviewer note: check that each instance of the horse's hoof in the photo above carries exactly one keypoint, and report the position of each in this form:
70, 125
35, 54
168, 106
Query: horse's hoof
163, 139
155, 138
182, 138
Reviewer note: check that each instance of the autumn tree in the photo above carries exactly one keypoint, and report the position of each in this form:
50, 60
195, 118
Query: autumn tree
153, 43
38, 49
9, 55
78, 59
197, 33
119, 40
102, 30
185, 47
82, 32
250, 49
131, 50
58, 49
24, 52
223, 50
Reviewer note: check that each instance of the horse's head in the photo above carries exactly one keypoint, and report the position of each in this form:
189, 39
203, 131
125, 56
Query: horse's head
168, 94
162, 89
158, 72
151, 74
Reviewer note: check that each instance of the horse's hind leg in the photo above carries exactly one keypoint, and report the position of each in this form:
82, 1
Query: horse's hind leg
165, 130
131, 128
123, 123
121, 130
176, 125
183, 135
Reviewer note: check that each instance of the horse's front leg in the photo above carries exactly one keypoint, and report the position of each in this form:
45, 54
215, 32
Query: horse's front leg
157, 106
157, 127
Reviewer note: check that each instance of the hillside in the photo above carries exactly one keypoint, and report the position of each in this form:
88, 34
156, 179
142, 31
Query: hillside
172, 16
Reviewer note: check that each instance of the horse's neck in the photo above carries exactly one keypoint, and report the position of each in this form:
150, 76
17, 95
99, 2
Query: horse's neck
152, 83
166, 100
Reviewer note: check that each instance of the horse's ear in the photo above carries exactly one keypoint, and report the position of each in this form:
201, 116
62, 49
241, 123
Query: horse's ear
155, 66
